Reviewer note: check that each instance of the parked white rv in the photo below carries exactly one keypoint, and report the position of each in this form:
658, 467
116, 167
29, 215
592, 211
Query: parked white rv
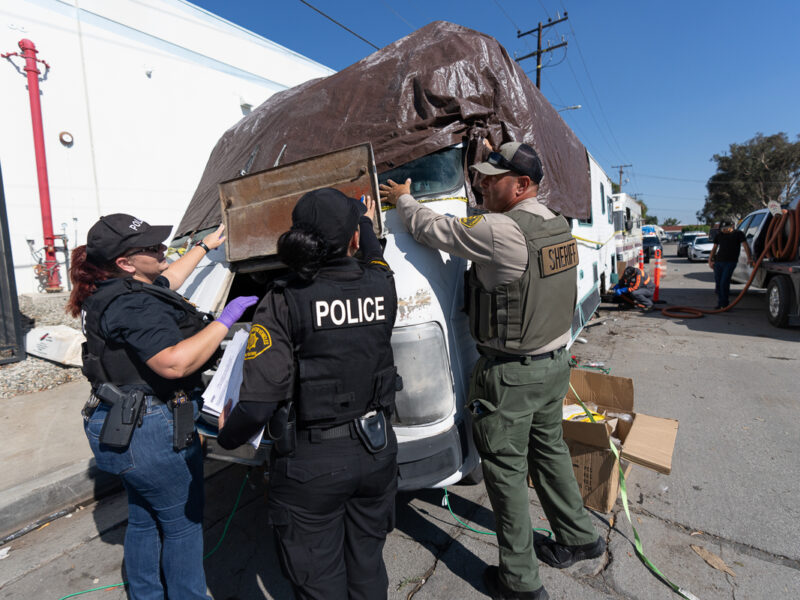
597, 248
379, 100
627, 227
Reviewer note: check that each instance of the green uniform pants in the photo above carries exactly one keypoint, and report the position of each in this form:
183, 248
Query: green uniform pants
516, 407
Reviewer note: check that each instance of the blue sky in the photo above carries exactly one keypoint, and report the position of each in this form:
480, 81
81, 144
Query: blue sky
662, 85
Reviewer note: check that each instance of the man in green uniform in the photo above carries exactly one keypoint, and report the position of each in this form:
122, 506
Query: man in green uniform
520, 294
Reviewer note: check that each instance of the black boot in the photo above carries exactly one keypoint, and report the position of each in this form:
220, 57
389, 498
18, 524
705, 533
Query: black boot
560, 556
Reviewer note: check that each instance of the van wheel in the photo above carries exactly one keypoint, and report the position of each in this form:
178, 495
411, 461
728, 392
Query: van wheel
779, 300
475, 477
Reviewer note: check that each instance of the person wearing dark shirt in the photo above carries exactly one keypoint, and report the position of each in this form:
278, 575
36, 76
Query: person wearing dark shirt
319, 374
724, 257
151, 344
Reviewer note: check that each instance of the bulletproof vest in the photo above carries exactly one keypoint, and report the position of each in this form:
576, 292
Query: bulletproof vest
341, 331
109, 361
532, 311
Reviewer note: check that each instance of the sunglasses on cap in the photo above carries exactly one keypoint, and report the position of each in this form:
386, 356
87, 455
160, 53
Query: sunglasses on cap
501, 162
154, 249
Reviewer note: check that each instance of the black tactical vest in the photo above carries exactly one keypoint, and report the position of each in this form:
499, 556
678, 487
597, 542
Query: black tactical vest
532, 311
341, 331
107, 361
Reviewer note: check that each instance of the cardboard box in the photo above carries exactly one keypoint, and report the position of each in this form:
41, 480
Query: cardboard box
647, 441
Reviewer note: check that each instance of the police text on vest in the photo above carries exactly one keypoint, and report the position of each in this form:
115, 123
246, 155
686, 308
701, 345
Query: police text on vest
352, 311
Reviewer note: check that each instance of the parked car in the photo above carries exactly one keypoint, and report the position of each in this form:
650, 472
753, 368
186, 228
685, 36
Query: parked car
686, 240
699, 249
651, 243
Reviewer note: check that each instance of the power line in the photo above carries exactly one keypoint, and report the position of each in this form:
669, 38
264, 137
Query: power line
311, 6
503, 10
591, 83
397, 14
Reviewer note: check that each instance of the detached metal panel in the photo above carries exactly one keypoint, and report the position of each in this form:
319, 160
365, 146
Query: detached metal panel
12, 342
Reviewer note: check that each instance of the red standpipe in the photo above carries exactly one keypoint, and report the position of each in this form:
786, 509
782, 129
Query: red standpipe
51, 264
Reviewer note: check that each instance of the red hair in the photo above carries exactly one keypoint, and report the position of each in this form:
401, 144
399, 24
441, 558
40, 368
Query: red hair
84, 276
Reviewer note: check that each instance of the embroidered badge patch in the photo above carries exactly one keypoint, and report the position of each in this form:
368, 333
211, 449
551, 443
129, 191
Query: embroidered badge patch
471, 221
258, 342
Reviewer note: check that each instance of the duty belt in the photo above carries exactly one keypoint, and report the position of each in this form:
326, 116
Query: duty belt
93, 402
336, 432
500, 356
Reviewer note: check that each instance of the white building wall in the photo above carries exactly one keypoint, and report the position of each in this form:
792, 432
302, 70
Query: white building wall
145, 87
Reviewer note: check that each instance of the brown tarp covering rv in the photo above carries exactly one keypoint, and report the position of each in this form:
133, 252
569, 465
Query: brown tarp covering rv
441, 85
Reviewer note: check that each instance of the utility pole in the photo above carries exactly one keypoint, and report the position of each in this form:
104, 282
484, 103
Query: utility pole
620, 167
539, 51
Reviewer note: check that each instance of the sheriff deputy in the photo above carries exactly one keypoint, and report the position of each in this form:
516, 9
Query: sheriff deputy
520, 296
319, 373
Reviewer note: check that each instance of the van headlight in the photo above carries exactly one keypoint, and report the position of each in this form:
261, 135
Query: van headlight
421, 358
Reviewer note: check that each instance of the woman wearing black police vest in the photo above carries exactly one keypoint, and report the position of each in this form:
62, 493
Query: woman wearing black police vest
145, 348
319, 351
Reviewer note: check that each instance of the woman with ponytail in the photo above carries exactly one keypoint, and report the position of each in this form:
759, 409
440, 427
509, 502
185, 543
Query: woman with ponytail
145, 349
319, 371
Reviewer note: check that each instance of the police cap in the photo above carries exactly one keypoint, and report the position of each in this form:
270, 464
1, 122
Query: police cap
113, 234
331, 213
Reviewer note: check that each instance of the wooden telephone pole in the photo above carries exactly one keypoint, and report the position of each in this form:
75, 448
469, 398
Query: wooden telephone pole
620, 167
539, 51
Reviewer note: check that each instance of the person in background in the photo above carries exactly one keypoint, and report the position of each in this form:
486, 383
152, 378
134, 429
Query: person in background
637, 287
319, 372
520, 297
724, 257
150, 345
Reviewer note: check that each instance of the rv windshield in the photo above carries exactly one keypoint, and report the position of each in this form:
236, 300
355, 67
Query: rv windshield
431, 175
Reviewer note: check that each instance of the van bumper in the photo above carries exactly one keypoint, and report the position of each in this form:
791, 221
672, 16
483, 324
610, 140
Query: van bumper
425, 462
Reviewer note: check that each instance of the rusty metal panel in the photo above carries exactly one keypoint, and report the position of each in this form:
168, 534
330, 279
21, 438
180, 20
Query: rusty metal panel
257, 208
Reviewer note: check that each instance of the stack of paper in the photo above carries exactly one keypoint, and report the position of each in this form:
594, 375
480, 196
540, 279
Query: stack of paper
222, 392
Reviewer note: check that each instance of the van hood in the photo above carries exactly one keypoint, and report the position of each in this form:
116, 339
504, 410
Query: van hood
439, 86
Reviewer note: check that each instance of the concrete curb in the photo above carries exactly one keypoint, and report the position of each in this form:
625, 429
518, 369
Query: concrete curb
32, 502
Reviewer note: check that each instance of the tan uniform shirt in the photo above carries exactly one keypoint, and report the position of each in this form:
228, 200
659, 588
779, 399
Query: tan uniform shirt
493, 241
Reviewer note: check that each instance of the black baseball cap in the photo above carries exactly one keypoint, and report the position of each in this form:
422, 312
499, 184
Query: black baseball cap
112, 235
331, 213
513, 156
726, 222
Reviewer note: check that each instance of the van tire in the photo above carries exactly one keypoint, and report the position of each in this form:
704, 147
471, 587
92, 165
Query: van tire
475, 477
779, 300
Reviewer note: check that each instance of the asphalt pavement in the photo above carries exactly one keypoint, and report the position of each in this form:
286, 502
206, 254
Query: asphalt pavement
732, 495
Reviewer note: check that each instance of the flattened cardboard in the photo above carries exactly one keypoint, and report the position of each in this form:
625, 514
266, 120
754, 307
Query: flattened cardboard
650, 442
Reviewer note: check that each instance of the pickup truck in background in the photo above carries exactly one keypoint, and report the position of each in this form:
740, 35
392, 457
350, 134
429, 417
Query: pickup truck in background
781, 278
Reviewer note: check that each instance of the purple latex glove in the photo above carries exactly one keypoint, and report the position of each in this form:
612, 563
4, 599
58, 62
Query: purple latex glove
235, 309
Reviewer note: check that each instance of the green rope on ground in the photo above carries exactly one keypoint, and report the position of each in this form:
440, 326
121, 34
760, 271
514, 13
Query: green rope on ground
230, 517
446, 502
97, 589
219, 543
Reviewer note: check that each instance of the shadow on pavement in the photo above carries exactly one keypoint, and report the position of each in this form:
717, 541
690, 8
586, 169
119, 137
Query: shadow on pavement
435, 533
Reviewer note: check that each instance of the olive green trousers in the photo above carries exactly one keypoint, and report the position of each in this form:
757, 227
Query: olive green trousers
516, 408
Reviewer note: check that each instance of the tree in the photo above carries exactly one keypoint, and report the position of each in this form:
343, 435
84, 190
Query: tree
670, 221
752, 174
646, 219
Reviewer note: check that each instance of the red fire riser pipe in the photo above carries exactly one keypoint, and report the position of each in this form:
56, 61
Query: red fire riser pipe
29, 54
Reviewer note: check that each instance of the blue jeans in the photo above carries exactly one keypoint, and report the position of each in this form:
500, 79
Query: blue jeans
165, 506
722, 281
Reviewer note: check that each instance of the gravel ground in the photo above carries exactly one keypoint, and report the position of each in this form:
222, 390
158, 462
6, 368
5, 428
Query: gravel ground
35, 374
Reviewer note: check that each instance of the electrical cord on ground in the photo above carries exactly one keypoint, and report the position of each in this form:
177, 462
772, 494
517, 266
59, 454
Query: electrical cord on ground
219, 543
779, 247
446, 502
